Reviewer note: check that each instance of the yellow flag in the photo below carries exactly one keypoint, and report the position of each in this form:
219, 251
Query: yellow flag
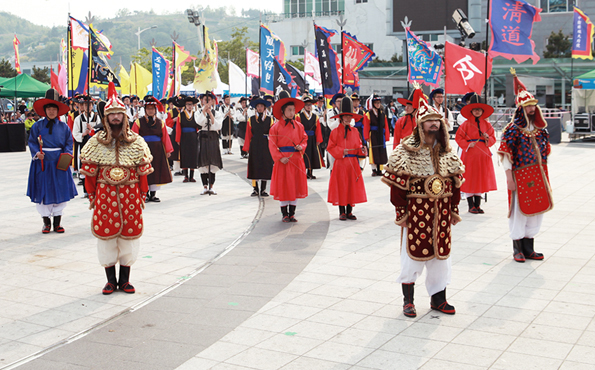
204, 77
124, 81
140, 78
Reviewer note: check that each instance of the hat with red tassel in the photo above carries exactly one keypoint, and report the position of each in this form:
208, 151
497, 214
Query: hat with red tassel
114, 104
523, 97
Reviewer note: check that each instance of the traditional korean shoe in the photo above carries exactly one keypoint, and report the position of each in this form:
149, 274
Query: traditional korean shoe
292, 219
528, 251
124, 280
517, 247
351, 216
312, 177
292, 213
264, 194
408, 306
438, 302
112, 283
57, 228
254, 193
47, 225
471, 203
185, 179
285, 214
477, 201
343, 217
285, 219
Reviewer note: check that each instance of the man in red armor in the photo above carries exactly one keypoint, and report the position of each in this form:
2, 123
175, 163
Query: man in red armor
524, 149
425, 177
116, 162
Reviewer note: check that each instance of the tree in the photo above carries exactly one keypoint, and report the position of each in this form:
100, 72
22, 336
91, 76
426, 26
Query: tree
234, 50
6, 69
394, 59
558, 46
41, 74
299, 64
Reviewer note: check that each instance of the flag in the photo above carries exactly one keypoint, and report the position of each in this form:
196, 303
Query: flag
355, 57
124, 79
311, 66
205, 77
160, 67
238, 83
464, 69
252, 63
425, 65
582, 39
54, 81
62, 78
328, 62
63, 51
283, 80
180, 58
17, 58
140, 78
298, 78
271, 49
78, 60
100, 70
511, 23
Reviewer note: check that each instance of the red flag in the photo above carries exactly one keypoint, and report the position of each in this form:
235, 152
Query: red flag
356, 56
465, 70
54, 81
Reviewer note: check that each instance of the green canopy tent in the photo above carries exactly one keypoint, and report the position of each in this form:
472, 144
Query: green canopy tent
23, 86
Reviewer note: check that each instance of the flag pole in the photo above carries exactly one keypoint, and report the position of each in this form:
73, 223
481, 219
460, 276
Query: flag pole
173, 93
342, 61
485, 86
246, 75
90, 61
69, 50
259, 54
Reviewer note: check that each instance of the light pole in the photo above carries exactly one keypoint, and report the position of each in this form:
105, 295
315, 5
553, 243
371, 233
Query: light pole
194, 18
141, 31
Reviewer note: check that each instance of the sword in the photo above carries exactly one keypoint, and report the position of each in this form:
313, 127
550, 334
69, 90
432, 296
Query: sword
40, 140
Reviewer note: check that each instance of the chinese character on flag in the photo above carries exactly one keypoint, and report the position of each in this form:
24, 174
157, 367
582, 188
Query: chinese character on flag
465, 69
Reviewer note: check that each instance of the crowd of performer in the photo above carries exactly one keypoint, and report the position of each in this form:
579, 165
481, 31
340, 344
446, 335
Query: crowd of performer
124, 149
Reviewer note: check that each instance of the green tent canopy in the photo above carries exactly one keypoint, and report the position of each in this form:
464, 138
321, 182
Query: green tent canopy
25, 86
586, 76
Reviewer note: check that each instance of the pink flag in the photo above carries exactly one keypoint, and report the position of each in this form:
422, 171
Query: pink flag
62, 78
311, 66
253, 62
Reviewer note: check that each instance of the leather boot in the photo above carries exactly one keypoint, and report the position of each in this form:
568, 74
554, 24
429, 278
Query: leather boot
477, 201
528, 251
285, 214
471, 204
439, 303
292, 213
263, 188
517, 247
112, 283
47, 225
408, 306
57, 227
153, 197
123, 281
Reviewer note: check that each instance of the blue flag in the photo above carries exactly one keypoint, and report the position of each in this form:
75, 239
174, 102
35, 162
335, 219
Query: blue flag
328, 61
425, 65
160, 67
283, 80
511, 22
271, 48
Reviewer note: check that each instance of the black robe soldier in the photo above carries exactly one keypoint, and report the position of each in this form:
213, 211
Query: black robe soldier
227, 129
377, 134
187, 139
260, 162
209, 120
312, 157
241, 117
154, 131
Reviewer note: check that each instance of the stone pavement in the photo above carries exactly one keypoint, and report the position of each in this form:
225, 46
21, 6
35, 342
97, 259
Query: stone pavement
319, 294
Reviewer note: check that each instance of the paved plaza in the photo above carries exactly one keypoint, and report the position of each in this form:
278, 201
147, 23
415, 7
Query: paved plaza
222, 283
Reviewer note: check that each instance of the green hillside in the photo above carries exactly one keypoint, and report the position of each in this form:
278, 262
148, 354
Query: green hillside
39, 43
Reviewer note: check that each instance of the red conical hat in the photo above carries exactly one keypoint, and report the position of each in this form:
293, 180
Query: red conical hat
523, 97
114, 104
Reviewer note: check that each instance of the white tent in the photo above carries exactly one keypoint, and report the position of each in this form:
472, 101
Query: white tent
313, 85
239, 85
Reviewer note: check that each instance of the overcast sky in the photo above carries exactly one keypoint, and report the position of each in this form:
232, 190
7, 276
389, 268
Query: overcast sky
54, 12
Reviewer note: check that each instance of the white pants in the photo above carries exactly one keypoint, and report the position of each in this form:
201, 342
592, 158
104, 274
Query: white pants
154, 187
49, 210
177, 166
438, 271
522, 226
113, 250
285, 203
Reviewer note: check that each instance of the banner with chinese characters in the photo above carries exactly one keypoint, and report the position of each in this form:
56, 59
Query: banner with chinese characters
425, 65
464, 70
328, 62
582, 39
160, 70
511, 23
355, 57
271, 48
283, 80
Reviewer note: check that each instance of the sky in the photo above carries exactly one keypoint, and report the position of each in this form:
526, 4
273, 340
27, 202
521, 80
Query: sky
55, 12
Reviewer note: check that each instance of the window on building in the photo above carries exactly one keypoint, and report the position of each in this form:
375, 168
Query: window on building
371, 46
555, 6
329, 7
433, 37
297, 8
361, 1
297, 50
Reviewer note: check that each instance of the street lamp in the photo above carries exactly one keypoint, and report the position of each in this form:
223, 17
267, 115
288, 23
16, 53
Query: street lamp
141, 31
194, 18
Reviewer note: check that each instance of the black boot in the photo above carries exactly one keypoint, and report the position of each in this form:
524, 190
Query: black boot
477, 201
439, 303
47, 225
528, 251
123, 281
349, 211
57, 227
285, 214
112, 283
263, 188
292, 213
255, 192
471, 205
408, 306
191, 177
517, 247
185, 173
153, 197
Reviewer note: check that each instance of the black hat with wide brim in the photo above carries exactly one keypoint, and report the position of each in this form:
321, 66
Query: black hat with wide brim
285, 99
347, 109
475, 102
51, 97
259, 100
